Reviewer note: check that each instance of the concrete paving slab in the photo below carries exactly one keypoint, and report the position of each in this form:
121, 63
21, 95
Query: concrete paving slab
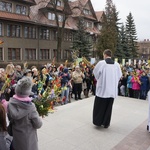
70, 126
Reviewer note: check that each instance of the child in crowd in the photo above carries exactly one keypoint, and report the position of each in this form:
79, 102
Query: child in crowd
24, 117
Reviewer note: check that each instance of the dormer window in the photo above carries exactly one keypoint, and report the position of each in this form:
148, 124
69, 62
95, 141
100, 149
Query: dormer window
86, 12
89, 24
5, 6
99, 27
21, 9
51, 16
59, 3
60, 18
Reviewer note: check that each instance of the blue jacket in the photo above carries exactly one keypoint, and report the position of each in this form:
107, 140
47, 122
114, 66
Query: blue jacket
65, 77
129, 83
144, 83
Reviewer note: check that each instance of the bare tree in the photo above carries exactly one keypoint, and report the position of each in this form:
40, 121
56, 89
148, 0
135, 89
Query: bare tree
66, 12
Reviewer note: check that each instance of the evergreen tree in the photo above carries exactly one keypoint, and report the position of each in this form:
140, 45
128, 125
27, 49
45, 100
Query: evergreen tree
82, 41
132, 47
121, 52
123, 42
110, 28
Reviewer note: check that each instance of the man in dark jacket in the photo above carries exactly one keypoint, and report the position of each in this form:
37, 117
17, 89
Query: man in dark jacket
65, 80
144, 86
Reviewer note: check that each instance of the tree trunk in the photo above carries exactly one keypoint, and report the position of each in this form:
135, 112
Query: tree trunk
59, 44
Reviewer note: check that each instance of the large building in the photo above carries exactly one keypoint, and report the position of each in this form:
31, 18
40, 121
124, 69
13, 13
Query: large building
29, 29
144, 49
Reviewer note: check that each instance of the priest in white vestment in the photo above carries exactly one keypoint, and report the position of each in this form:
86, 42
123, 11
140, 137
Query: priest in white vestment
107, 73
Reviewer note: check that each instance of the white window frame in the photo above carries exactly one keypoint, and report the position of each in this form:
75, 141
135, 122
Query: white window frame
60, 18
86, 12
59, 3
51, 16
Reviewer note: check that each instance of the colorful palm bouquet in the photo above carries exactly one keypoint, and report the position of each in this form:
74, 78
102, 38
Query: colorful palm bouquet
44, 102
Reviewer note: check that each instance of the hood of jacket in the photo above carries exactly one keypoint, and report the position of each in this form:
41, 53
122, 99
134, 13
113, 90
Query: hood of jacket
19, 109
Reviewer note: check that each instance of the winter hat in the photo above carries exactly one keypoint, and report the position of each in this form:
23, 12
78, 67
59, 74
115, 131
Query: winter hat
65, 70
27, 71
24, 87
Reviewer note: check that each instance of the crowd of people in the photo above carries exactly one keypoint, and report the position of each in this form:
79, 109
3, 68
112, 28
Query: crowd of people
135, 81
20, 86
72, 81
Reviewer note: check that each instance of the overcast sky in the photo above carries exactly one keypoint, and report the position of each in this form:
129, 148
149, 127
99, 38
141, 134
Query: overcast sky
140, 10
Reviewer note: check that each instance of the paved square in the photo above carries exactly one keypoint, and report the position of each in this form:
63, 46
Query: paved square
70, 127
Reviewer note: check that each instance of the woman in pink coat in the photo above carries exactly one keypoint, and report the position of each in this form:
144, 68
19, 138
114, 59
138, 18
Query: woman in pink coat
136, 85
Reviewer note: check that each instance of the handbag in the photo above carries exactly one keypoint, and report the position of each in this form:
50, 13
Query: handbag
9, 128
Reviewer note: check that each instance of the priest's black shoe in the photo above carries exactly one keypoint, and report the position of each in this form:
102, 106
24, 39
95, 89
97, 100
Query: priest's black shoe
147, 127
106, 126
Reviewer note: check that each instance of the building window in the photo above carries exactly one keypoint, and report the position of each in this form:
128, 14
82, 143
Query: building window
54, 53
30, 54
86, 12
60, 18
68, 36
1, 54
44, 54
5, 6
59, 3
30, 32
51, 16
0, 29
99, 27
65, 54
65, 36
13, 30
21, 9
44, 34
13, 53
89, 24
53, 34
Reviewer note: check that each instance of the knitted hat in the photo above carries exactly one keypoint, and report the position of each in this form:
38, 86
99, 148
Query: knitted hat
27, 71
65, 70
24, 87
